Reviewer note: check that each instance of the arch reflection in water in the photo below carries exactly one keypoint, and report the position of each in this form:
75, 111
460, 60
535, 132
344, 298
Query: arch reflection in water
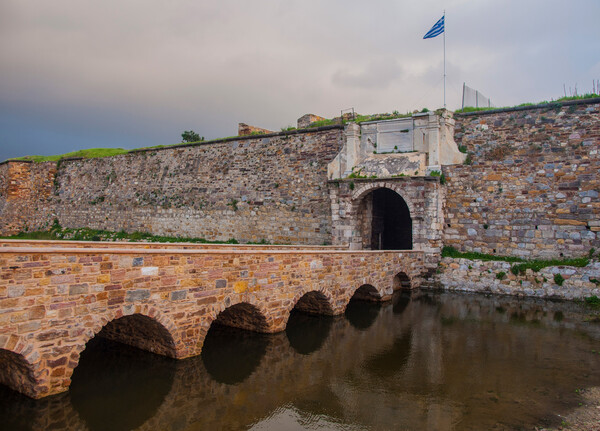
393, 360
307, 333
230, 355
400, 301
129, 385
362, 314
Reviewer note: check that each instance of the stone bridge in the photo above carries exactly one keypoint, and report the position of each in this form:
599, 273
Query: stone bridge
55, 297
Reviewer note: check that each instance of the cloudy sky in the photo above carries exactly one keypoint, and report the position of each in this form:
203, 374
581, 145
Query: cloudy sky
129, 73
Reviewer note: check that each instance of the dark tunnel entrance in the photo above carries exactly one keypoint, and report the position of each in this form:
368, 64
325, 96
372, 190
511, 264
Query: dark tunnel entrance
385, 221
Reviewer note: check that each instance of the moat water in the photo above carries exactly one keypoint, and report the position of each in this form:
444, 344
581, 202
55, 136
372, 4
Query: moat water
425, 361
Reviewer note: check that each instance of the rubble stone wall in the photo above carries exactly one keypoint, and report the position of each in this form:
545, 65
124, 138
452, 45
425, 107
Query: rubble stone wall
265, 187
532, 189
496, 277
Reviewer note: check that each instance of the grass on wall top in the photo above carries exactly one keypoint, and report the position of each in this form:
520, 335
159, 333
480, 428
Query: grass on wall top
107, 152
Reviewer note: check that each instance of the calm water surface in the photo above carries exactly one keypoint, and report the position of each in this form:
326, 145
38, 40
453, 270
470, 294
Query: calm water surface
426, 361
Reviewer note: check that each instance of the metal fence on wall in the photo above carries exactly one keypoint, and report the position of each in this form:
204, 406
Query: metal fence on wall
474, 98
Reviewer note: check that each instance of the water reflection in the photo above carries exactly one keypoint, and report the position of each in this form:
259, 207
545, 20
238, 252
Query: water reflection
428, 361
230, 355
362, 314
306, 332
400, 301
119, 387
391, 361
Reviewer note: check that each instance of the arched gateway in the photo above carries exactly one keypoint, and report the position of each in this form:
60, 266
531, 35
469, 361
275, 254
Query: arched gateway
400, 213
384, 220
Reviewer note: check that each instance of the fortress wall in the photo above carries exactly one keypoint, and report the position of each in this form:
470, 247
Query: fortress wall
267, 187
532, 189
25, 195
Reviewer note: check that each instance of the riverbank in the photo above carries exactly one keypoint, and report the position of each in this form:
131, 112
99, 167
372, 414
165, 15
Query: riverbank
585, 417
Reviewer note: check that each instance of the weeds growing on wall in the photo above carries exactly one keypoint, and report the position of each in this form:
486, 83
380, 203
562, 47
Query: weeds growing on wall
592, 301
438, 174
521, 265
56, 232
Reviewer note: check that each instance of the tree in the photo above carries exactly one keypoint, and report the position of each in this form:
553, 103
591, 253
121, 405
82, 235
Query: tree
191, 136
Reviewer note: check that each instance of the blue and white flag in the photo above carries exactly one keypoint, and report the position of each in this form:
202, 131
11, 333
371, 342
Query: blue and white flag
436, 30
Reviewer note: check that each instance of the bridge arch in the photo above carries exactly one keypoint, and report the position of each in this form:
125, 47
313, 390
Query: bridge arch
366, 292
18, 373
242, 315
383, 217
402, 282
363, 307
146, 328
316, 301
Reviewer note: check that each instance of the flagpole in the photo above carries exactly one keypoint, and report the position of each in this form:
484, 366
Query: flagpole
444, 59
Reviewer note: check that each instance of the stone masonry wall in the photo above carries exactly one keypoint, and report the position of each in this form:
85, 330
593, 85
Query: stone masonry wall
496, 277
25, 193
269, 187
532, 189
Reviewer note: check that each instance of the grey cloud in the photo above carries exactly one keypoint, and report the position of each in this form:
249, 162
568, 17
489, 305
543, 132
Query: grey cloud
377, 74
140, 72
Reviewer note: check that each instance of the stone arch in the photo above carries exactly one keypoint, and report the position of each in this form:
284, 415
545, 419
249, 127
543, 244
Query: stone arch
366, 292
366, 188
18, 373
384, 217
150, 314
168, 343
242, 315
402, 281
231, 355
316, 301
363, 307
104, 376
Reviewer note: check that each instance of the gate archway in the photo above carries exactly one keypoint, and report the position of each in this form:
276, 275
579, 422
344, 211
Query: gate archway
385, 222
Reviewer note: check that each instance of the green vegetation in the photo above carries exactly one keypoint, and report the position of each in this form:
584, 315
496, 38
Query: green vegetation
544, 102
90, 153
454, 253
356, 175
438, 174
521, 265
536, 265
501, 275
593, 301
233, 204
57, 232
363, 118
191, 136
559, 279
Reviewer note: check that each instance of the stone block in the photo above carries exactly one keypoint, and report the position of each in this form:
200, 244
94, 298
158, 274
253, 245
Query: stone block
137, 295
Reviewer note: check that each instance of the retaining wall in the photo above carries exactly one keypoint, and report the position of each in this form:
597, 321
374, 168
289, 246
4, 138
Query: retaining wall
496, 277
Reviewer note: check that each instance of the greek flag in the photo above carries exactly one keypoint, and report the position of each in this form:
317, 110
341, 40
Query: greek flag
436, 30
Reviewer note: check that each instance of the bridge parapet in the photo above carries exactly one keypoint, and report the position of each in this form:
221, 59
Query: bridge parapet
53, 300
